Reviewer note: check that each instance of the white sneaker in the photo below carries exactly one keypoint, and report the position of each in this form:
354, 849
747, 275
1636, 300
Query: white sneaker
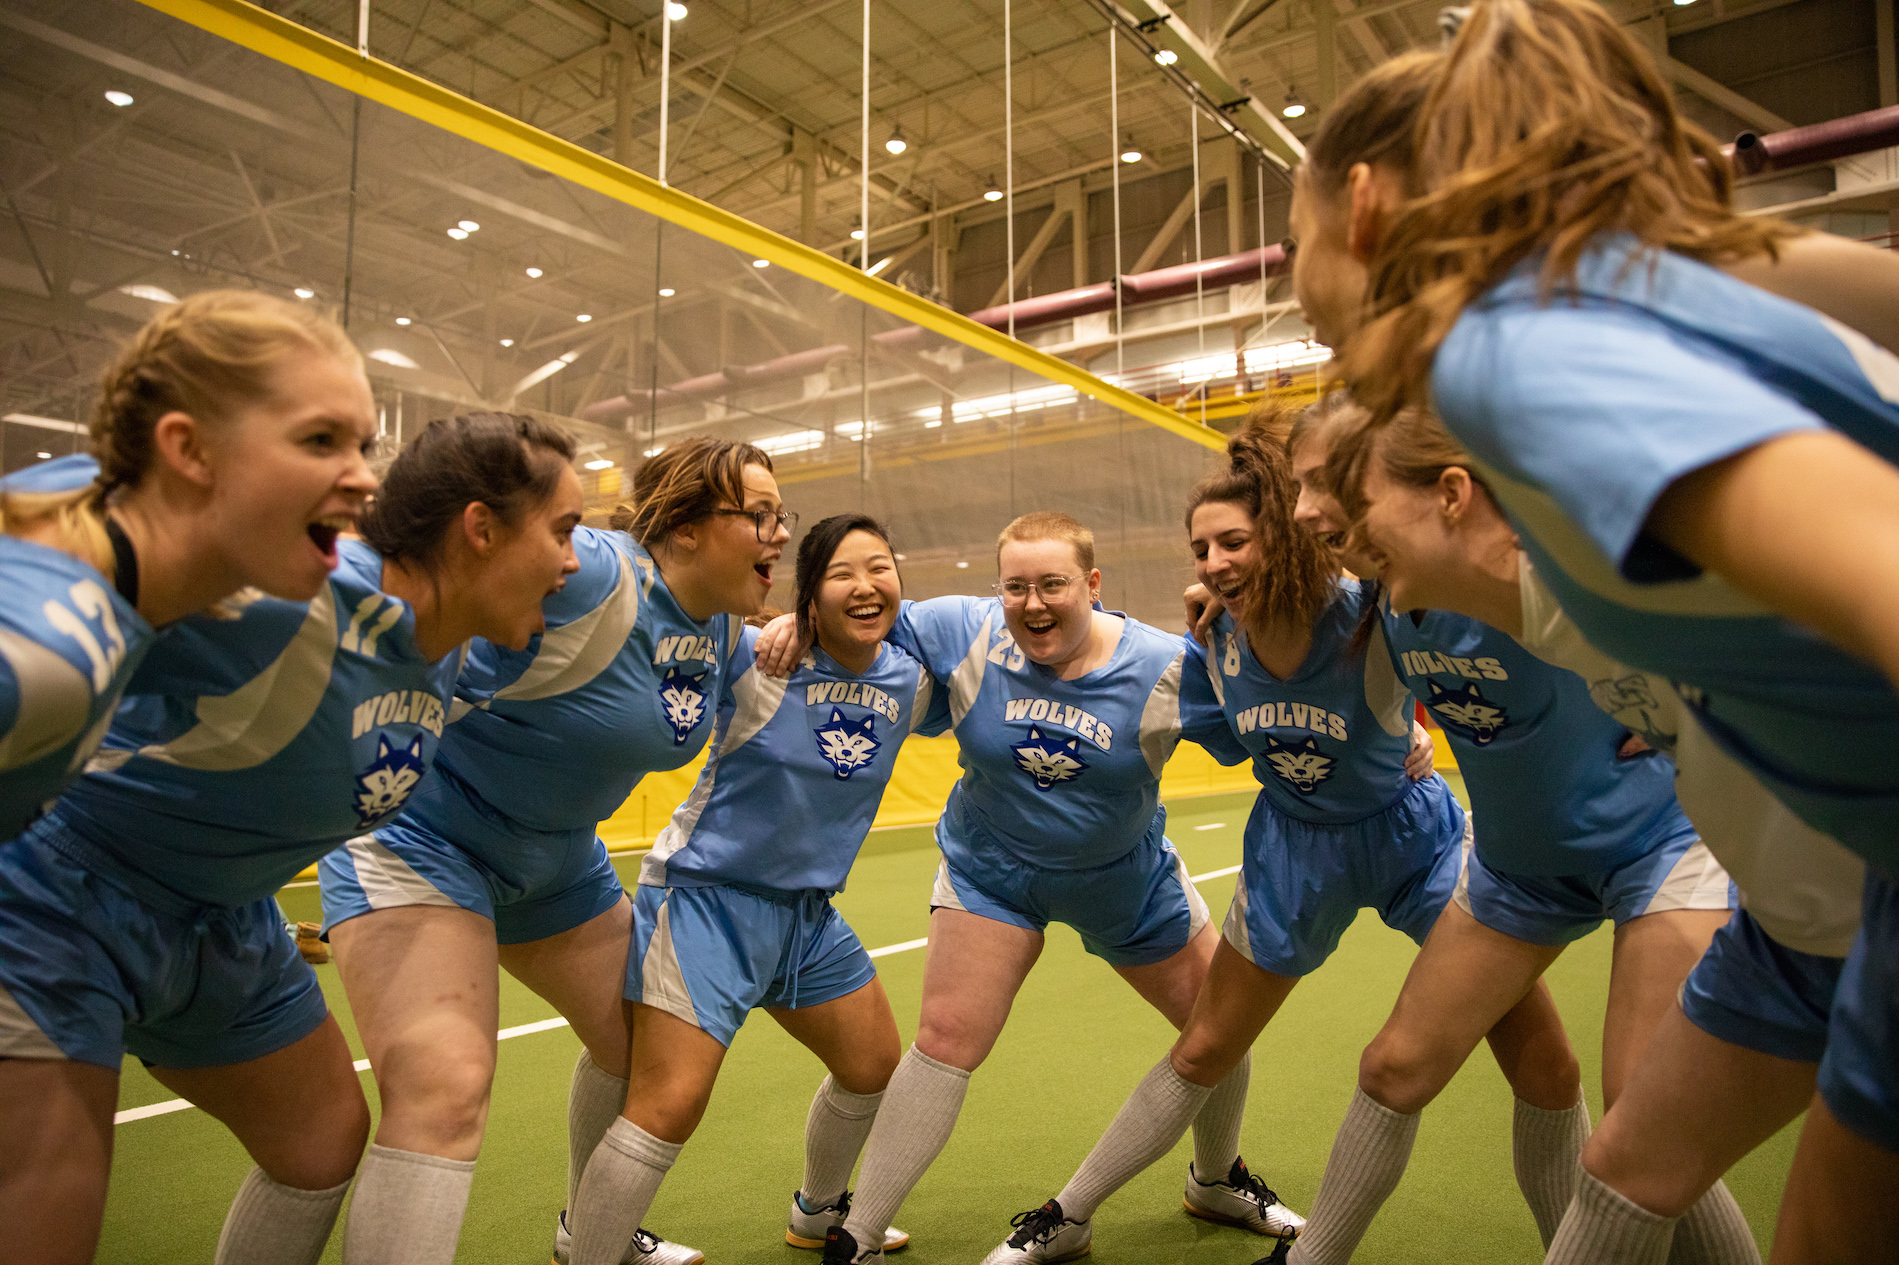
807, 1229
1243, 1200
645, 1249
1042, 1235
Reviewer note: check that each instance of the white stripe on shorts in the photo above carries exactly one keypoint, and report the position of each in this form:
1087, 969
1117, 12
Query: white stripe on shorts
1235, 928
20, 1037
662, 983
943, 893
389, 882
1696, 881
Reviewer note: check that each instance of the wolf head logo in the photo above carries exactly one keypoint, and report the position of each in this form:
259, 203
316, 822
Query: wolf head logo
1049, 760
847, 746
1634, 705
383, 786
1302, 764
1469, 712
684, 700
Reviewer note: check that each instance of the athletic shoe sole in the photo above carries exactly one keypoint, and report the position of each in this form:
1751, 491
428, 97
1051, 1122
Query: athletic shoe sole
1220, 1218
817, 1245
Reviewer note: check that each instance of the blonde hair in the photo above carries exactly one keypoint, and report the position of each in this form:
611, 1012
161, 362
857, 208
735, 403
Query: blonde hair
1048, 525
685, 483
205, 356
1544, 126
1292, 583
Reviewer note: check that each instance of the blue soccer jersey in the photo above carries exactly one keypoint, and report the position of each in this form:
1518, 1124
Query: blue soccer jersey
1539, 758
545, 743
797, 769
1582, 412
249, 746
68, 645
1062, 774
1328, 744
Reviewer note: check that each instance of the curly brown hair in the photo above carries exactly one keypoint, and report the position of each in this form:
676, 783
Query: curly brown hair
685, 483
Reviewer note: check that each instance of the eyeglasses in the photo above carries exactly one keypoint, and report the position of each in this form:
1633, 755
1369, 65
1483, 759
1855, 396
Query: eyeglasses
767, 522
1053, 588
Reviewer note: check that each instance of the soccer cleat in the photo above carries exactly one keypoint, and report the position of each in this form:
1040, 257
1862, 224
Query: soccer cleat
1243, 1200
310, 943
807, 1229
645, 1249
841, 1249
1280, 1254
1043, 1236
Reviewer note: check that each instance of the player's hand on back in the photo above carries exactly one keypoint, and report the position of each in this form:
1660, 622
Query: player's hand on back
779, 647
1202, 609
1422, 761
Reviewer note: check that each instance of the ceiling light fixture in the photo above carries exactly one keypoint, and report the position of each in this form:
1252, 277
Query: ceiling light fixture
390, 356
534, 272
120, 99
583, 318
468, 226
45, 456
675, 11
600, 463
667, 292
507, 342
881, 264
761, 263
896, 144
458, 233
402, 320
1294, 107
304, 292
1166, 57
1130, 152
857, 234
991, 193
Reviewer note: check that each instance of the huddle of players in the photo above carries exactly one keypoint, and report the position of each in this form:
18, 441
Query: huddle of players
1624, 531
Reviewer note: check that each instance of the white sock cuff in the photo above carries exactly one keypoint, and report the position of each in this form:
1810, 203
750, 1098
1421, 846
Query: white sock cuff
390, 1155
842, 1102
598, 1077
1172, 1083
333, 1194
933, 1065
637, 1144
1531, 1116
1385, 1117
1592, 1189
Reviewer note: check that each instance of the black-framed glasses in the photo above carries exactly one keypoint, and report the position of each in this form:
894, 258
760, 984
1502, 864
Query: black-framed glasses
1053, 588
766, 522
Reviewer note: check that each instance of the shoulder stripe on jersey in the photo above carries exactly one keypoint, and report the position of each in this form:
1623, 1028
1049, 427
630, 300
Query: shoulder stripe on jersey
1212, 660
758, 698
55, 698
389, 882
1385, 691
20, 1037
252, 723
966, 681
920, 705
574, 654
1707, 594
1160, 718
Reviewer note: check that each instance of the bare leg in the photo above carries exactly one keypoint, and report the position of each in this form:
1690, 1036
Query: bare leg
581, 973
56, 1117
1842, 1201
972, 970
1653, 955
854, 1035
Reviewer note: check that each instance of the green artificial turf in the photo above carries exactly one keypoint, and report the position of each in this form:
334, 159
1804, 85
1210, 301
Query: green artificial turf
1077, 1042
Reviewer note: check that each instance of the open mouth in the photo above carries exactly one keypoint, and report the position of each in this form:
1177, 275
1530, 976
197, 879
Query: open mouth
1040, 626
325, 530
869, 613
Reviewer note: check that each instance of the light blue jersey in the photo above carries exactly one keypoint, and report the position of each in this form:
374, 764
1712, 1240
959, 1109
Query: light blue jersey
1582, 412
1328, 744
68, 645
797, 769
250, 746
1064, 775
1539, 757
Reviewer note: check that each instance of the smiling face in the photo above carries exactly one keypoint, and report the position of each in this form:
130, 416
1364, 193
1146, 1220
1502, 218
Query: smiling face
1050, 633
1410, 541
731, 566
1328, 278
290, 471
1225, 544
857, 600
1318, 510
526, 562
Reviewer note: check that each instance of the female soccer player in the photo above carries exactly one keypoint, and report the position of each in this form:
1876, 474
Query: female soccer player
495, 860
1066, 715
1338, 825
1701, 471
734, 909
255, 740
1571, 827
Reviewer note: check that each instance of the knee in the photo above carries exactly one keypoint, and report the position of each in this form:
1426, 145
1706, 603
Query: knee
1199, 1059
1401, 1073
1667, 1189
328, 1145
1552, 1080
952, 1040
438, 1102
871, 1070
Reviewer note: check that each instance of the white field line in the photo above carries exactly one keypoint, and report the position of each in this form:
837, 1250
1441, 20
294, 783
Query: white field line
548, 1025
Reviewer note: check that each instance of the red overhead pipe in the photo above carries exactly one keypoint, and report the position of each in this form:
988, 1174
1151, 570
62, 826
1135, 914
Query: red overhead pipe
1046, 309
1753, 153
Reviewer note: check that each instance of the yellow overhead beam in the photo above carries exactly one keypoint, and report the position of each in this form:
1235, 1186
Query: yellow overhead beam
284, 41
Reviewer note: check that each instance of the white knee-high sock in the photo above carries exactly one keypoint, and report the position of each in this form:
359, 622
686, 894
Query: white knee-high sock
593, 1103
1368, 1157
622, 1176
1216, 1130
1603, 1228
273, 1224
919, 1112
1148, 1125
1713, 1232
1546, 1148
834, 1133
408, 1208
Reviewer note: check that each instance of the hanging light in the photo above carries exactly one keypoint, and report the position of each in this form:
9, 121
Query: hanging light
459, 234
761, 263
507, 342
1166, 57
402, 320
1294, 107
120, 99
468, 226
1130, 152
675, 11
304, 292
533, 272
991, 193
583, 318
896, 144
667, 292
